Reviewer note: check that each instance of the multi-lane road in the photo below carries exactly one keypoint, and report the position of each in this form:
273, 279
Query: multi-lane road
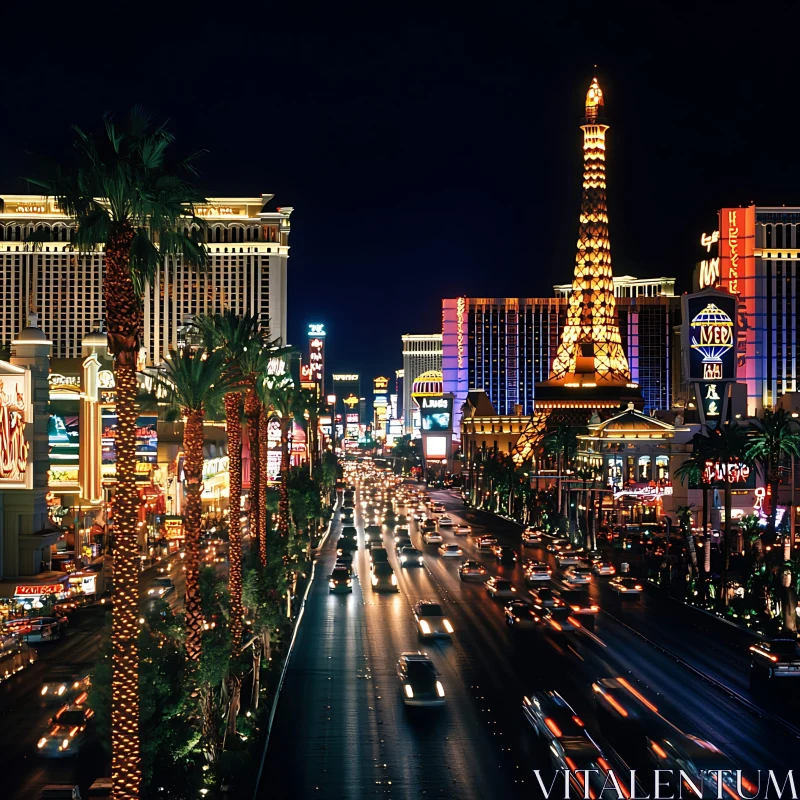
341, 729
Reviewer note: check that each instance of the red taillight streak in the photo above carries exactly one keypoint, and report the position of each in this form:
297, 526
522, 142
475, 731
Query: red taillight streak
552, 727
638, 695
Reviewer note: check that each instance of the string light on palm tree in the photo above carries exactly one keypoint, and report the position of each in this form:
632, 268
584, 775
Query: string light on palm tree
130, 198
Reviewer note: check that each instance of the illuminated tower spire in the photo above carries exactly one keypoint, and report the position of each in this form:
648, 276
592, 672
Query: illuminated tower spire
590, 352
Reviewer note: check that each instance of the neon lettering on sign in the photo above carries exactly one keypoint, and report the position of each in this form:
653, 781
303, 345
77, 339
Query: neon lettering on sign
460, 308
708, 239
37, 591
316, 330
733, 245
429, 402
345, 377
737, 473
712, 337
709, 272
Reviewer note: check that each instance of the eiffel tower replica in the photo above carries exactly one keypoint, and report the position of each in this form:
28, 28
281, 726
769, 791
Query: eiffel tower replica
590, 370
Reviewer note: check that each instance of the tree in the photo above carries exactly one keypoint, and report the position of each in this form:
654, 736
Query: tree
562, 443
233, 335
772, 439
684, 515
406, 449
191, 378
127, 196
693, 471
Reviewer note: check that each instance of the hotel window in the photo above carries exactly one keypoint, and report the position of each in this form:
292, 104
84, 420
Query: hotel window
662, 468
645, 471
614, 471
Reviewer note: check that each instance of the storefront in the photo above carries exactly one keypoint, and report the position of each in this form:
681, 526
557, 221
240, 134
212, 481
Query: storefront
33, 599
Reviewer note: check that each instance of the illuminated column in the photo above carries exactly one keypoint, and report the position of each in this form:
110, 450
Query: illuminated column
94, 347
591, 350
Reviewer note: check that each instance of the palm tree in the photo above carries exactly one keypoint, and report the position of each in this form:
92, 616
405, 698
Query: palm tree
693, 471
727, 447
684, 515
562, 442
233, 335
129, 198
191, 378
315, 406
772, 439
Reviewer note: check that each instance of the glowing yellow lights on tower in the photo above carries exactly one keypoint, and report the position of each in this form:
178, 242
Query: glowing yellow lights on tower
590, 352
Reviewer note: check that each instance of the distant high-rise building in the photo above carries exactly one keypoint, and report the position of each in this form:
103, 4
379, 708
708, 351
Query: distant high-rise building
248, 248
421, 353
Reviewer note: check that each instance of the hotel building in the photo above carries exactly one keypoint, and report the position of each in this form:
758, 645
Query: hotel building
421, 353
248, 246
506, 346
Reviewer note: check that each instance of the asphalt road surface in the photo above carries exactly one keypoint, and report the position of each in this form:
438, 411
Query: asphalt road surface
341, 730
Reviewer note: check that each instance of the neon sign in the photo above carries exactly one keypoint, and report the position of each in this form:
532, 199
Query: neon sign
715, 472
13, 446
460, 308
733, 245
712, 338
351, 401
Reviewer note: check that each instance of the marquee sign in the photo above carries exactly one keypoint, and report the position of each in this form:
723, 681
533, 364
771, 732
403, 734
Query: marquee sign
380, 385
16, 471
38, 591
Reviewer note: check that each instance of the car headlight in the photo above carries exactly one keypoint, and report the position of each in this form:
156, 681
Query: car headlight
374, 581
439, 689
409, 691
65, 744
349, 582
44, 690
420, 559
150, 591
513, 589
61, 690
332, 584
423, 624
402, 559
42, 742
394, 579
447, 626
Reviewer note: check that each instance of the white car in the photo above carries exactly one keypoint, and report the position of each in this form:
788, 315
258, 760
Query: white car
462, 530
432, 537
447, 550
537, 571
576, 575
445, 521
567, 559
486, 542
531, 537
500, 587
604, 568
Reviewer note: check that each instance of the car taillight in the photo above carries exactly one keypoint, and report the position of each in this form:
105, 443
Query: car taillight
552, 727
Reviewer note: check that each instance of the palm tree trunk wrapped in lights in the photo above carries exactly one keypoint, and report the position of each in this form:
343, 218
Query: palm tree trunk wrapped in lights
263, 519
233, 422
283, 498
251, 409
124, 199
193, 468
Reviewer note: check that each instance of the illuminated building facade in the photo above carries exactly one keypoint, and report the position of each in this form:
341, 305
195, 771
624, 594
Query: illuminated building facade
421, 353
754, 255
248, 253
507, 345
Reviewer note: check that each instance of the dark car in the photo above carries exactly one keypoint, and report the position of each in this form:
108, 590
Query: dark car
383, 578
378, 555
350, 530
419, 680
404, 541
507, 556
340, 580
411, 557
346, 545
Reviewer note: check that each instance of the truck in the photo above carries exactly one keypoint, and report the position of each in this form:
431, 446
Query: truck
772, 659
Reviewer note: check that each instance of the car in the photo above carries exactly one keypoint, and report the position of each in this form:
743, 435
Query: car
431, 620
348, 503
401, 533
623, 585
449, 550
419, 680
411, 557
345, 559
372, 532
429, 525
378, 555
505, 555
404, 541
603, 568
551, 716
348, 514
557, 545
340, 581
374, 544
346, 545
500, 587
419, 514
383, 578
545, 597
774, 659
462, 530
566, 558
445, 521
536, 571
432, 537
486, 542
161, 587
576, 575
531, 537
579, 602
437, 506
558, 620
580, 758
472, 570
65, 682
66, 731
520, 614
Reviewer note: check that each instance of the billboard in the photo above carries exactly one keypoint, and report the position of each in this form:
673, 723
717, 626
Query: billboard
316, 353
709, 336
15, 414
146, 444
435, 447
436, 413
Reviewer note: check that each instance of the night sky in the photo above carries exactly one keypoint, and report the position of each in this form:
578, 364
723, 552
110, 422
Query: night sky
430, 151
